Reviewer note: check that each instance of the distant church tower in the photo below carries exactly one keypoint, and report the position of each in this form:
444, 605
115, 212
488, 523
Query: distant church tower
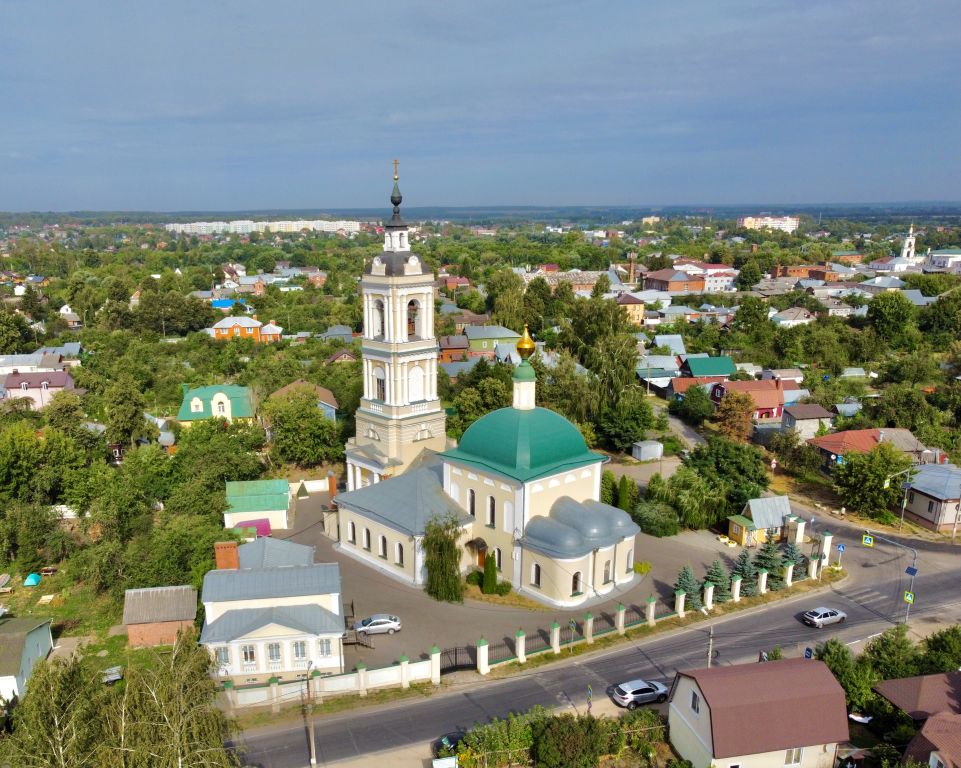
907, 250
400, 414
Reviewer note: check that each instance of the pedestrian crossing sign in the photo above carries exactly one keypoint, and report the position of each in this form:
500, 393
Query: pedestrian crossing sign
909, 598
867, 540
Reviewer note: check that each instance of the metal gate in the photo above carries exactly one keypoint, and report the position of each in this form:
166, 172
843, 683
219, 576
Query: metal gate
453, 659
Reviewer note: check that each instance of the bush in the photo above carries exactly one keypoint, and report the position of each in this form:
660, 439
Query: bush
643, 568
656, 519
503, 588
489, 582
475, 578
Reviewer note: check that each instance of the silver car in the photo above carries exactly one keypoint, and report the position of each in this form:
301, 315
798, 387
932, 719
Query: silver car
821, 617
378, 624
636, 692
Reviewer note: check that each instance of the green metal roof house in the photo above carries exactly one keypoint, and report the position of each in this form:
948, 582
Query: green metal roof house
709, 366
223, 401
250, 500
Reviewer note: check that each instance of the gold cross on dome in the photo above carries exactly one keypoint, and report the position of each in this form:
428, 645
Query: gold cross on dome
396, 163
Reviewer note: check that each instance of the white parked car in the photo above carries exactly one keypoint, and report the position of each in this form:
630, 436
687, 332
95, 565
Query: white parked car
636, 692
378, 624
821, 617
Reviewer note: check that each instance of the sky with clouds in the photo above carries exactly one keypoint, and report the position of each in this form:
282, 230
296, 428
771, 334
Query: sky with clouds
236, 104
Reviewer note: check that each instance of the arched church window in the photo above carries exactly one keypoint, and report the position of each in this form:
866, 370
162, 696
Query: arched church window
576, 585
472, 502
382, 547
497, 557
415, 384
399, 554
413, 320
367, 539
607, 571
630, 560
491, 514
380, 384
536, 575
378, 320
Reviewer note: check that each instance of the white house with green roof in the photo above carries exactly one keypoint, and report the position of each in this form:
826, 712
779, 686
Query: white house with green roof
218, 401
249, 501
526, 490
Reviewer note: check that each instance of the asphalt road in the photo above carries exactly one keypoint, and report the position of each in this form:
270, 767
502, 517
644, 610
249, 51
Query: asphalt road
872, 598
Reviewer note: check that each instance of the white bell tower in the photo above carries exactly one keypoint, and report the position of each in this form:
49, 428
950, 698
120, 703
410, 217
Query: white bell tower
400, 413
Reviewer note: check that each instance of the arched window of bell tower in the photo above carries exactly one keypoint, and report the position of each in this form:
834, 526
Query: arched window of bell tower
415, 320
378, 320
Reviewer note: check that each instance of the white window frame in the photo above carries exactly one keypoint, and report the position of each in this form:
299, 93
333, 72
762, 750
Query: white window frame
222, 656
793, 756
351, 532
300, 650
695, 703
274, 652
323, 646
249, 654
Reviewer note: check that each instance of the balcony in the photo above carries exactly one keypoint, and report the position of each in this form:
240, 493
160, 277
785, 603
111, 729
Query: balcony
249, 666
301, 663
274, 666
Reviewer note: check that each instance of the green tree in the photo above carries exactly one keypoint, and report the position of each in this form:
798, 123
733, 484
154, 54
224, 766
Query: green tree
301, 433
601, 287
793, 554
628, 493
489, 584
942, 651
769, 558
688, 584
734, 416
749, 276
719, 577
744, 567
695, 408
656, 518
751, 315
856, 677
608, 487
891, 314
125, 408
568, 741
442, 554
626, 422
893, 654
860, 480
736, 469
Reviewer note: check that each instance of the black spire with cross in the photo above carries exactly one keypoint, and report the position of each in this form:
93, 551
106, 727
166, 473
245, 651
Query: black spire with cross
396, 198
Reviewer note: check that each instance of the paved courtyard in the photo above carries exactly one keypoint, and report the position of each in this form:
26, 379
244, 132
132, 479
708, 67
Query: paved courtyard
427, 622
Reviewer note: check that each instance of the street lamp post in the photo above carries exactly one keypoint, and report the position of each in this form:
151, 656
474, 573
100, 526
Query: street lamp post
904, 498
310, 718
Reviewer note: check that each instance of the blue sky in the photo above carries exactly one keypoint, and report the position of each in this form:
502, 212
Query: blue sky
233, 104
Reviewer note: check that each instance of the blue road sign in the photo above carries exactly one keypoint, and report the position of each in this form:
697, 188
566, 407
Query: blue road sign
808, 653
867, 540
841, 547
911, 571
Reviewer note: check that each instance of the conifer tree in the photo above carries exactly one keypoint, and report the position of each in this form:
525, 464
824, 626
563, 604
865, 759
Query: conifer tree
489, 585
608, 488
769, 558
627, 493
744, 567
719, 577
688, 583
793, 554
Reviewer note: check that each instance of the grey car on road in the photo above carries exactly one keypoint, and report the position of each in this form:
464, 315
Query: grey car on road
821, 617
378, 624
635, 692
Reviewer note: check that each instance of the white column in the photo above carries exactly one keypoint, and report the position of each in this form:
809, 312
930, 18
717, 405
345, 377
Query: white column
388, 318
350, 477
368, 328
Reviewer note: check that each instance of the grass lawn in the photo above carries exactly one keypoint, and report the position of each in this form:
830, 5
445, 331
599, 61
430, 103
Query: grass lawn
75, 610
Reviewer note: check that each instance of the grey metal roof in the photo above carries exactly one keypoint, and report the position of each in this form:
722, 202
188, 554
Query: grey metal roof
459, 367
575, 528
13, 637
274, 553
673, 341
667, 362
769, 511
144, 606
941, 481
264, 583
405, 503
847, 409
808, 411
489, 332
308, 619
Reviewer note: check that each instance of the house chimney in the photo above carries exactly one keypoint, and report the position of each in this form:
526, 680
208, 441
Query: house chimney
226, 556
880, 435
331, 483
254, 316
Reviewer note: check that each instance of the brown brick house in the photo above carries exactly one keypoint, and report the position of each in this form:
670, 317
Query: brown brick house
155, 615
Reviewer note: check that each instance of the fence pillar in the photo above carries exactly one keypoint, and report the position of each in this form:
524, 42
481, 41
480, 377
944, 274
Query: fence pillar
679, 598
230, 695
483, 651
274, 695
812, 568
435, 665
589, 627
362, 678
736, 589
651, 603
708, 595
556, 637
826, 539
404, 671
619, 618
762, 581
788, 574
520, 646
316, 683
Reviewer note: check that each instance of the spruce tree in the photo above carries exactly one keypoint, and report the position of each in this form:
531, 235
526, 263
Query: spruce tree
627, 494
769, 557
718, 576
688, 583
489, 585
793, 554
744, 567
608, 488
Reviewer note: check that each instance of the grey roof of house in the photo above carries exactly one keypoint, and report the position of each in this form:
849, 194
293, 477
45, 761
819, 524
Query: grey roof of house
769, 511
145, 606
70, 349
309, 619
917, 298
667, 362
574, 528
506, 352
490, 332
459, 367
678, 309
853, 373
673, 341
13, 637
941, 481
847, 409
263, 583
405, 503
274, 553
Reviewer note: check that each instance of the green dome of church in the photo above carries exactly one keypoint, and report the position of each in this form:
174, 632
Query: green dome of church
523, 444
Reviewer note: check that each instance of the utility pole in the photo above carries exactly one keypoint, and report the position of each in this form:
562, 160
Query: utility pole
310, 719
710, 647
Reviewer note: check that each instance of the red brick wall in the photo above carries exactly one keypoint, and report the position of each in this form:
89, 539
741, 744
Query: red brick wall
157, 633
